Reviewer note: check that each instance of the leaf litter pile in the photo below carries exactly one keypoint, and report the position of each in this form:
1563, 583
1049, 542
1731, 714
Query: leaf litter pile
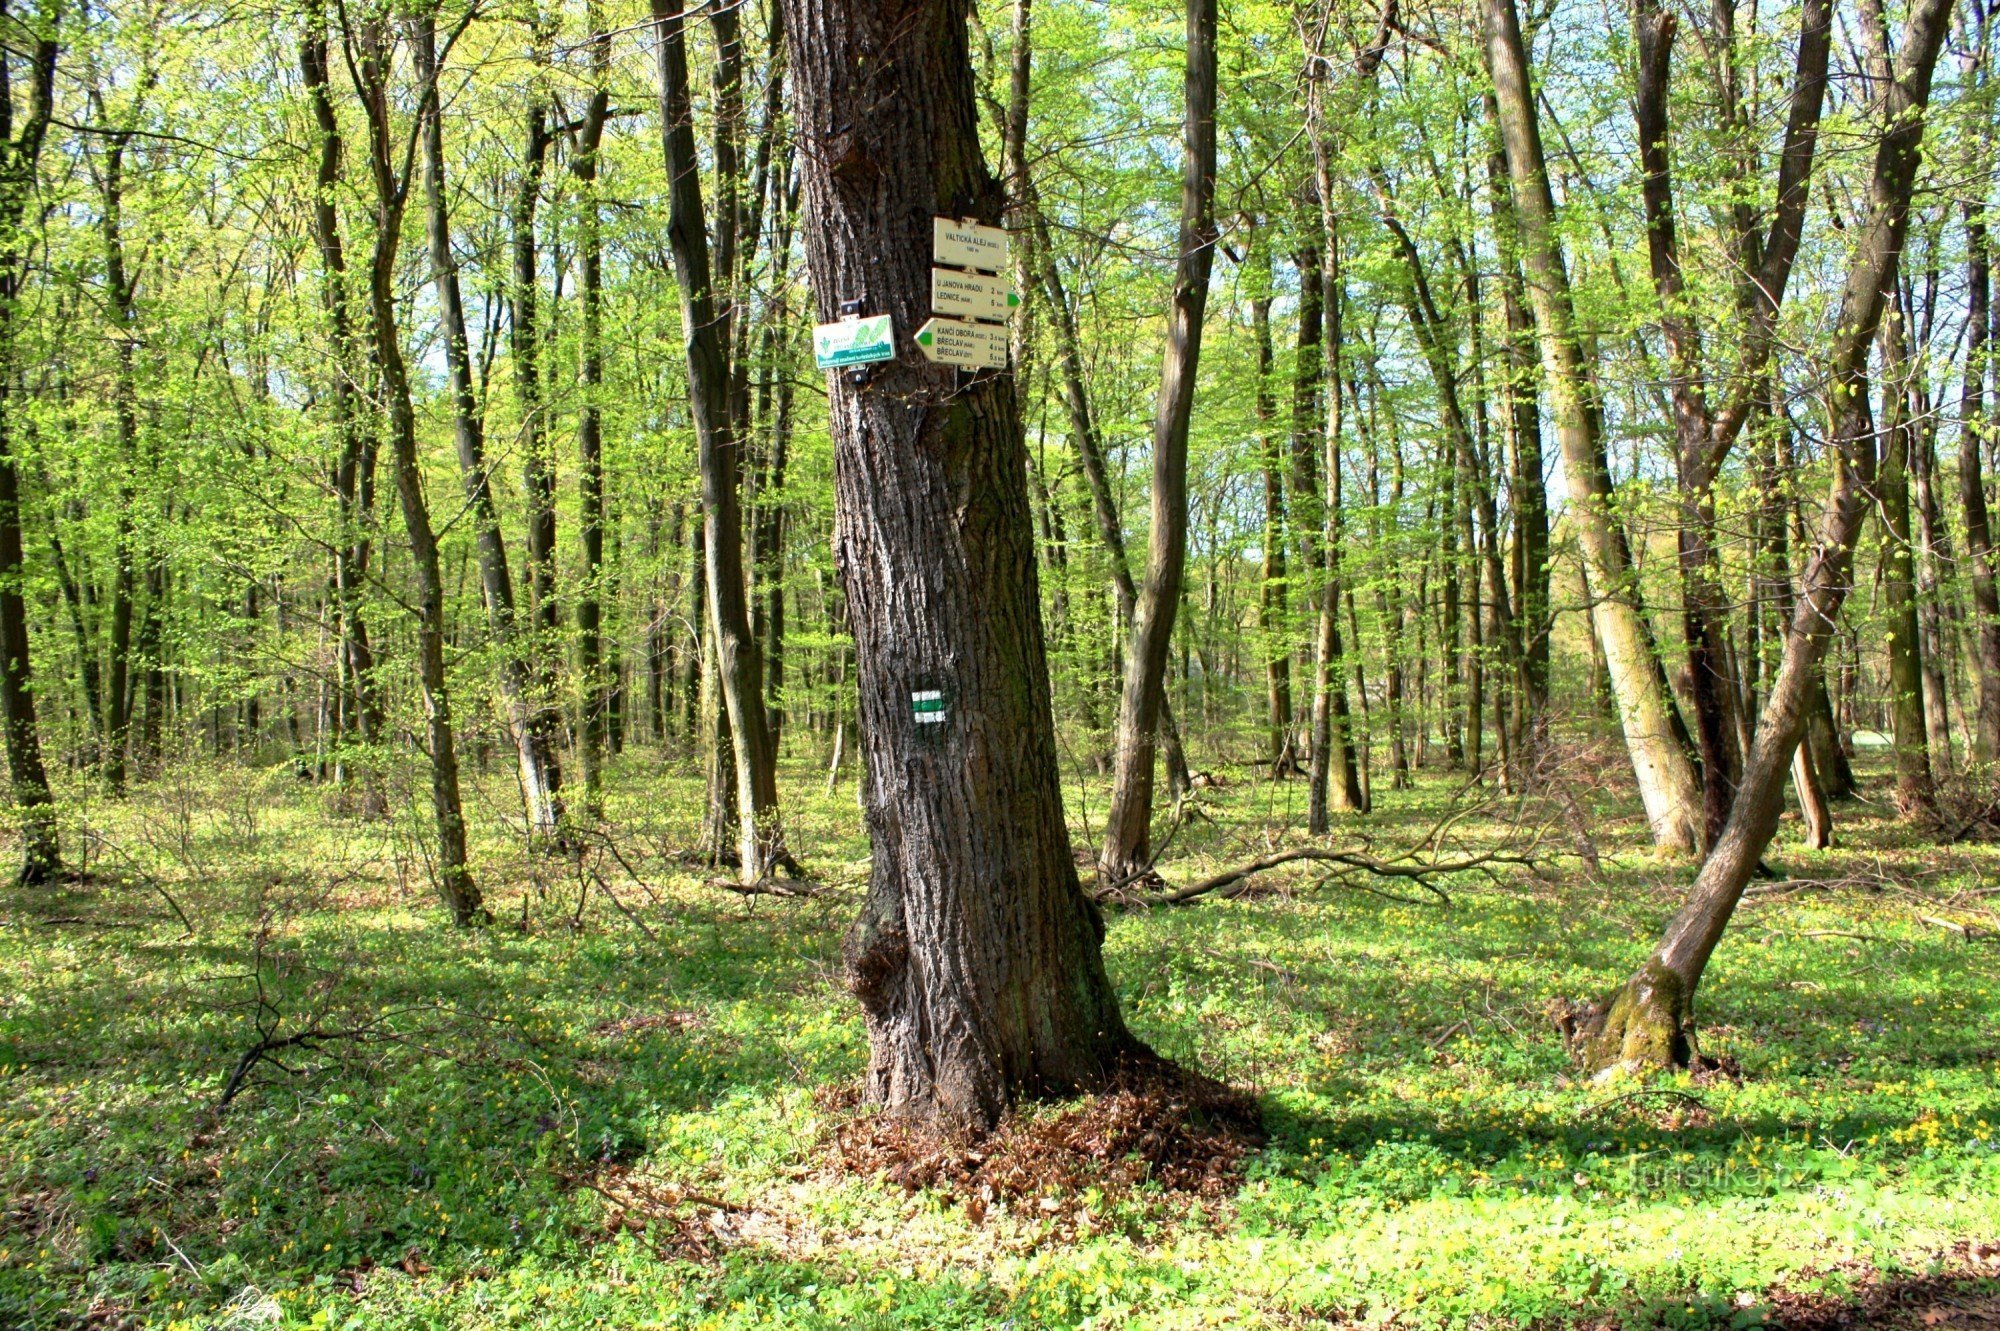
1154, 1126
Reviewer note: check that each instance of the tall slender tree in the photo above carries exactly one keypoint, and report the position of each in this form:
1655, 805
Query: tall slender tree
1128, 823
23, 128
706, 328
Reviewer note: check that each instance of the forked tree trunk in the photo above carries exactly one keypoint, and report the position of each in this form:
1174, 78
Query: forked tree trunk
1648, 1022
538, 620
1128, 821
977, 956
1090, 454
360, 705
739, 669
1667, 781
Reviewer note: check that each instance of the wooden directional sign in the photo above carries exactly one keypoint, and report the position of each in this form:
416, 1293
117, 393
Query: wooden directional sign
969, 346
854, 342
972, 295
968, 245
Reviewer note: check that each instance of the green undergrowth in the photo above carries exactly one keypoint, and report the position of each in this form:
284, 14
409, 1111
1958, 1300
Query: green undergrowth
568, 1121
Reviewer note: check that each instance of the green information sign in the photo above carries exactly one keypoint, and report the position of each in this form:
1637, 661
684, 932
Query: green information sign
854, 342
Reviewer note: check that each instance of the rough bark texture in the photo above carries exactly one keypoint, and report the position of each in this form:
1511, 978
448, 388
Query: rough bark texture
1667, 780
1637, 1020
977, 956
1128, 821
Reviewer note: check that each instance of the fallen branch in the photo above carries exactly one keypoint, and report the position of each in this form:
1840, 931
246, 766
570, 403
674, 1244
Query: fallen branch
263, 1050
623, 909
1231, 882
1970, 933
772, 887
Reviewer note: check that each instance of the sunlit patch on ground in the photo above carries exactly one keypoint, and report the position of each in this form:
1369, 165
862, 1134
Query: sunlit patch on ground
571, 1122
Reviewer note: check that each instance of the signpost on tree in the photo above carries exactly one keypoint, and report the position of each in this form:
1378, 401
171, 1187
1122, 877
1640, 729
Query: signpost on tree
977, 957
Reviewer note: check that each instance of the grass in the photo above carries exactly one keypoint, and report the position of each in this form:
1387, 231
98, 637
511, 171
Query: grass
467, 1155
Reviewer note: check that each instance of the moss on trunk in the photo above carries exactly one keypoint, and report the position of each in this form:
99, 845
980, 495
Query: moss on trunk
1642, 1026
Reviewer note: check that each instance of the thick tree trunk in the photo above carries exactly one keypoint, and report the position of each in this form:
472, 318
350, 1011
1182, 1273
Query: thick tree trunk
1128, 822
977, 957
1647, 1023
534, 745
739, 665
1667, 780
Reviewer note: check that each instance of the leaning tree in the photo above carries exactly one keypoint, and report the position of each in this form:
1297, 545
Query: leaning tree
1647, 1021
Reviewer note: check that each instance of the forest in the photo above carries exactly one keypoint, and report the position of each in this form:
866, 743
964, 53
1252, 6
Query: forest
1041, 663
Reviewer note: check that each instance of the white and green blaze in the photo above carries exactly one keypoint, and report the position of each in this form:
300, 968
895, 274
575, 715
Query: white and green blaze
927, 706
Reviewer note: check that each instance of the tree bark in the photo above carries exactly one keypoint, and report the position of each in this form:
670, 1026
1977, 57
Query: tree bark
1090, 455
977, 956
354, 466
119, 286
740, 674
20, 155
1128, 821
1667, 781
534, 745
590, 429
392, 186
1648, 1021
538, 624
1915, 795
1973, 431
1273, 619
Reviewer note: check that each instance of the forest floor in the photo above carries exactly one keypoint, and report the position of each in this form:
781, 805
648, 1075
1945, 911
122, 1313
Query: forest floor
629, 1103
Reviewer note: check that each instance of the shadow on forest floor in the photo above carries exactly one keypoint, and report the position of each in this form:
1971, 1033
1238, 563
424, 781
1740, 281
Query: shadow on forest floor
1429, 1157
